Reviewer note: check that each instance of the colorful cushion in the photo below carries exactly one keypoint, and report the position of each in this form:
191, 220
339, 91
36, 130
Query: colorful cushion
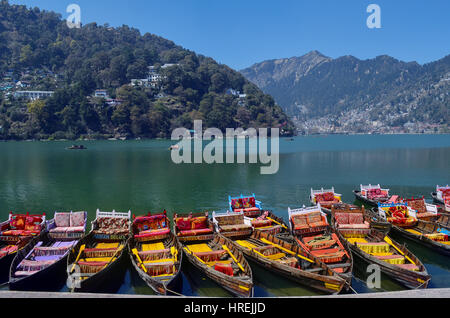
224, 268
152, 233
195, 232
183, 224
62, 219
33, 223
355, 218
199, 223
342, 218
17, 222
234, 227
77, 219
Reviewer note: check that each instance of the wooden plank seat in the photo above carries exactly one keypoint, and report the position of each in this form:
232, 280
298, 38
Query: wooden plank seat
410, 267
154, 255
211, 256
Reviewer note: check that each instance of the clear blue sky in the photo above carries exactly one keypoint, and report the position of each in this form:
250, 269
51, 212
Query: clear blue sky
240, 33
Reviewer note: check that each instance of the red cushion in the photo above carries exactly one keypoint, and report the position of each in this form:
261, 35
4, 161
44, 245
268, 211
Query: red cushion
341, 218
195, 232
18, 222
226, 269
199, 223
152, 233
183, 224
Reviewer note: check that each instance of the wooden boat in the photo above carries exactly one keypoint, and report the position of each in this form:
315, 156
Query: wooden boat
398, 214
441, 195
326, 197
424, 211
281, 257
314, 234
16, 233
375, 247
214, 255
155, 253
77, 147
96, 263
260, 218
42, 266
372, 194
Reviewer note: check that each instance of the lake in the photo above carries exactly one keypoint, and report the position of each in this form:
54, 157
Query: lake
140, 176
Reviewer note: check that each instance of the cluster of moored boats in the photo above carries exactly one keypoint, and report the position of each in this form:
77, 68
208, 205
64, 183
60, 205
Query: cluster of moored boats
37, 254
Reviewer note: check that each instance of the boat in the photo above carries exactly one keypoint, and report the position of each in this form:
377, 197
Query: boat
16, 233
260, 218
375, 247
441, 195
326, 198
279, 256
155, 253
314, 234
398, 214
213, 255
424, 211
370, 215
97, 262
42, 266
372, 194
77, 147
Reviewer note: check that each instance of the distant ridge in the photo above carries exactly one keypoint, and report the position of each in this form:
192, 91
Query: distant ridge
347, 91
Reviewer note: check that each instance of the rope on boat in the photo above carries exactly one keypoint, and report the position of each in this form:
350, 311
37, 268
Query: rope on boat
173, 292
4, 284
351, 288
426, 282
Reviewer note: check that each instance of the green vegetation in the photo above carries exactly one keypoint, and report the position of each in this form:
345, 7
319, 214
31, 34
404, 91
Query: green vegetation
39, 48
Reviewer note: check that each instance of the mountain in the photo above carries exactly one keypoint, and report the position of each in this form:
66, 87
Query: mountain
352, 95
38, 51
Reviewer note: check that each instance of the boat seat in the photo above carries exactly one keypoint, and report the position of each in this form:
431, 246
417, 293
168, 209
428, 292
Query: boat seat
24, 273
99, 252
392, 259
154, 255
234, 227
165, 267
152, 233
410, 267
195, 232
210, 256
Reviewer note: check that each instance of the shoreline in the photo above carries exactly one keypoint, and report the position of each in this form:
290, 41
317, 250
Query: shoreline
168, 139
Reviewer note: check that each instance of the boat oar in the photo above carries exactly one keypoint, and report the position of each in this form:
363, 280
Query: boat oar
112, 258
233, 257
286, 250
389, 241
276, 222
78, 257
135, 252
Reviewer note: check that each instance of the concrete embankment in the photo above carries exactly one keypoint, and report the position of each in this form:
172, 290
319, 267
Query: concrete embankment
423, 293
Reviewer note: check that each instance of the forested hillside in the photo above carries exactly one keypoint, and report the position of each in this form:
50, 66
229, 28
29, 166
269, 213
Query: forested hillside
38, 51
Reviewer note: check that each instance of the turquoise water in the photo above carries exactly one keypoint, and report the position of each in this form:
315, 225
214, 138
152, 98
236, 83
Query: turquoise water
140, 176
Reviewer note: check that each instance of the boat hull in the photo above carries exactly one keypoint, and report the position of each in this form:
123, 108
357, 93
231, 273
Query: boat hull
228, 283
161, 288
436, 199
107, 280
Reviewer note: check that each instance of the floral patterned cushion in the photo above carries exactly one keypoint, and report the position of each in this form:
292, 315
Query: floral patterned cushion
62, 219
77, 219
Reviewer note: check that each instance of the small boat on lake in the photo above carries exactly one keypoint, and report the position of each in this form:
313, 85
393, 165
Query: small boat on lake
314, 234
442, 195
375, 247
279, 256
155, 253
424, 211
372, 194
214, 255
97, 262
326, 197
259, 218
77, 147
16, 233
42, 266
